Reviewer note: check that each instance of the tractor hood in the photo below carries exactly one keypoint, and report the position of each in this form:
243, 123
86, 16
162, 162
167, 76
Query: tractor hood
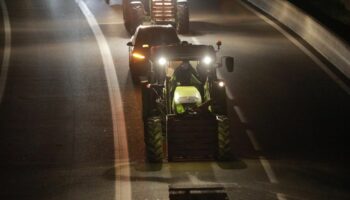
186, 95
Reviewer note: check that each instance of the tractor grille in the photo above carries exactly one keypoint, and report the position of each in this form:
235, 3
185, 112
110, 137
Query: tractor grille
163, 11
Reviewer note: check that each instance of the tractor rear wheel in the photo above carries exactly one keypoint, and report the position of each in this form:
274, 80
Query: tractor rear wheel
134, 14
224, 142
183, 18
154, 140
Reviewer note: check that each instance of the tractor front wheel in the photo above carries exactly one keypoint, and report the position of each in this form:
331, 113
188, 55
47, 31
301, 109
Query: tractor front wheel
224, 142
154, 140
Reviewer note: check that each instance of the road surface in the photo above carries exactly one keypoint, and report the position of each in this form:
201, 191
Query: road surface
59, 140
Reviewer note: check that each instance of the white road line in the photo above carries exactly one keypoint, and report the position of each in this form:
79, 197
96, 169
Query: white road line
194, 179
268, 169
123, 189
281, 196
314, 58
7, 49
253, 140
265, 163
240, 114
195, 40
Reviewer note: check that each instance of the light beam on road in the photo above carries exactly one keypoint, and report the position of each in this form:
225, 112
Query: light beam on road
7, 49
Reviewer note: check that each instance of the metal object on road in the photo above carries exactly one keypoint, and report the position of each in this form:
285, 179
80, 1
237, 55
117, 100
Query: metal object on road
202, 192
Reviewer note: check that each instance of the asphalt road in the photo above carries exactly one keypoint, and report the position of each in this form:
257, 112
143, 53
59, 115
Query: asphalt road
289, 119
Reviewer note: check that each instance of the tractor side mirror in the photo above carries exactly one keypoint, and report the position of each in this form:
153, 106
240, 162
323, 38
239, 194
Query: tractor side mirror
228, 62
129, 44
218, 44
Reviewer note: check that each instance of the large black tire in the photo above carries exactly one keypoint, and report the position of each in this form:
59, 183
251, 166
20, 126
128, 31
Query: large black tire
224, 142
219, 97
146, 5
133, 14
154, 140
145, 92
149, 104
183, 18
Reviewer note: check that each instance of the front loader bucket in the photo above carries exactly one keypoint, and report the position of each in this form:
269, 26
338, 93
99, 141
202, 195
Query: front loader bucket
191, 137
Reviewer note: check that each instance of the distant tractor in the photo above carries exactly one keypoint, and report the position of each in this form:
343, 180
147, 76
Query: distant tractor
174, 12
184, 104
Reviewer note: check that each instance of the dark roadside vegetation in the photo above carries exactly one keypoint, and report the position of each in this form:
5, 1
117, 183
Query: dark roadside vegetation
334, 14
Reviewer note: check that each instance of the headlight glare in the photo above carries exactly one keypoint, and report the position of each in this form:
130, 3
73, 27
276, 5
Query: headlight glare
207, 60
162, 61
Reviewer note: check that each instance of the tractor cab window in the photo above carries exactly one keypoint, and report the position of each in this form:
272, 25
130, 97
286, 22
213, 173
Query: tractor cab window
173, 65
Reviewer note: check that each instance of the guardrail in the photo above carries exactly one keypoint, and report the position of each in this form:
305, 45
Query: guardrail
325, 42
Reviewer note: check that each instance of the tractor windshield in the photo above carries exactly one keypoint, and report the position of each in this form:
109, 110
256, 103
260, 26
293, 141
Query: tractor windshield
198, 69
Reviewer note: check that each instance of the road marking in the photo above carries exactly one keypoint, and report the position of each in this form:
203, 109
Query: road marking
195, 40
194, 179
240, 114
265, 163
123, 188
253, 140
7, 49
268, 169
314, 58
281, 196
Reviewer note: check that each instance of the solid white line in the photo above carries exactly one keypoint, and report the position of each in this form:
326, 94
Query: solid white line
123, 189
240, 114
281, 196
314, 58
195, 40
7, 49
268, 169
253, 140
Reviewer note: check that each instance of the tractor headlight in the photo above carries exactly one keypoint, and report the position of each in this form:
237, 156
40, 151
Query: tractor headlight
162, 61
207, 60
221, 84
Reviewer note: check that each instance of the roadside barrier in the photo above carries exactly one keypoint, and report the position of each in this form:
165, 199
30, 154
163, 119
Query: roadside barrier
322, 40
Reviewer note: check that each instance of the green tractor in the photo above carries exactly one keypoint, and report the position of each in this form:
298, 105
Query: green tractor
184, 104
174, 12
